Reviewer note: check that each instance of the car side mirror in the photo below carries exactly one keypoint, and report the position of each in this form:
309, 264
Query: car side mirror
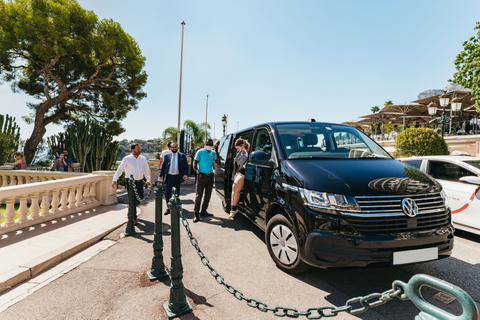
470, 179
260, 158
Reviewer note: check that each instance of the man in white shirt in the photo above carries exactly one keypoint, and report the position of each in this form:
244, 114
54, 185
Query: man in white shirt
474, 123
164, 152
136, 165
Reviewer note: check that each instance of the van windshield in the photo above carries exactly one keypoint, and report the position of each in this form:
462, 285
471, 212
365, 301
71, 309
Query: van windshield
327, 141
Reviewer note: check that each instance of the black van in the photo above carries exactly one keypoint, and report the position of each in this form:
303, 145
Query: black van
328, 196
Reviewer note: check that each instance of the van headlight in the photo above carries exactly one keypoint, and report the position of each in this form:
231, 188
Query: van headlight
329, 201
445, 198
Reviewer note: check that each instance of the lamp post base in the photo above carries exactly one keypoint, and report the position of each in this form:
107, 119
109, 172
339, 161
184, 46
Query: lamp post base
173, 314
157, 275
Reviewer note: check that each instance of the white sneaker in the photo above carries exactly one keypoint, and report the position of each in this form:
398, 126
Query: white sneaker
232, 214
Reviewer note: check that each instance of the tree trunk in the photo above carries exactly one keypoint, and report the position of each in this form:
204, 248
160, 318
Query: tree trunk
31, 144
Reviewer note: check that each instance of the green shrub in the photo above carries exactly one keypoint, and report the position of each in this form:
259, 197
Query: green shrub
420, 142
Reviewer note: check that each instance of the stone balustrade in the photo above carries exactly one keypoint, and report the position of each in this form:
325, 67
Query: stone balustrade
19, 177
51, 195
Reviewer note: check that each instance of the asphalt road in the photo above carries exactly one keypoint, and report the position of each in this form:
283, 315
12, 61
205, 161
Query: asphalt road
113, 284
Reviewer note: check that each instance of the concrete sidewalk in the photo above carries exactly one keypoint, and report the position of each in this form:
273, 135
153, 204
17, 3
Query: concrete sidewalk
27, 252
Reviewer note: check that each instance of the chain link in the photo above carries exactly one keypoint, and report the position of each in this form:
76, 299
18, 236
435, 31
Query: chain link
327, 311
135, 192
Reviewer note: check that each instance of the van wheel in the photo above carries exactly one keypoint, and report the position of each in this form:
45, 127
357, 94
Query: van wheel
283, 245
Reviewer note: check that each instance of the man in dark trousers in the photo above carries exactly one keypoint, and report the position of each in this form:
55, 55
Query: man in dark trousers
174, 171
203, 166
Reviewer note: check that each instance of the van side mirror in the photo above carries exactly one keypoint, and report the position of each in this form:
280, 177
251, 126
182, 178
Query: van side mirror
260, 158
470, 179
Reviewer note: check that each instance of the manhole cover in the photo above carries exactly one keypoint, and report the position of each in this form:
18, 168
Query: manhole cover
443, 297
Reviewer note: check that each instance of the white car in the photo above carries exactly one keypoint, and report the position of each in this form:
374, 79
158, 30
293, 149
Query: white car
460, 179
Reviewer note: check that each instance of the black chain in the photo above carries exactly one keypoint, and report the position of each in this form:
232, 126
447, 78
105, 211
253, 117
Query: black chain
135, 192
366, 302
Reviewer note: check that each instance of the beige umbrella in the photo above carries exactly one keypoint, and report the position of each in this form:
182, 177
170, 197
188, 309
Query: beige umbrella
406, 109
464, 96
380, 117
353, 123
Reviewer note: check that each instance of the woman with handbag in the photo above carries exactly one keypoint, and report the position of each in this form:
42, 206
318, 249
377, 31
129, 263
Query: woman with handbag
239, 173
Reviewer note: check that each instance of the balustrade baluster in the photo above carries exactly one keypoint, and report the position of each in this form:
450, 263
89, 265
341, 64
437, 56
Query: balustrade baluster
34, 207
86, 194
5, 181
79, 197
55, 201
64, 201
9, 214
20, 179
45, 203
23, 209
93, 194
71, 198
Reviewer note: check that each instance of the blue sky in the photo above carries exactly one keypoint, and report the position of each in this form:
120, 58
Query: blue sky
280, 60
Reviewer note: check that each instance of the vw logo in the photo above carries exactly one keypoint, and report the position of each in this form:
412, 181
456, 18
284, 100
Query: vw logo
409, 207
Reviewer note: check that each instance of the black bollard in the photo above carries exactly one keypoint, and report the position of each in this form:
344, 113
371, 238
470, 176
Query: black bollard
130, 230
158, 267
177, 304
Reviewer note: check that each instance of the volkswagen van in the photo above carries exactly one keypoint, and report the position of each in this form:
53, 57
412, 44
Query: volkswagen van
327, 195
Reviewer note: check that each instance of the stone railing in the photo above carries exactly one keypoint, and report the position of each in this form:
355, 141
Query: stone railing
56, 195
19, 177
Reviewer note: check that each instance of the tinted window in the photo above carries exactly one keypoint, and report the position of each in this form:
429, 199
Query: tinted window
223, 148
317, 140
448, 171
414, 163
263, 142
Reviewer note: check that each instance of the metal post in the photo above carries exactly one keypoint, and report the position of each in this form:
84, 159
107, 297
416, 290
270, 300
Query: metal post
158, 267
206, 123
177, 304
443, 121
450, 128
130, 230
180, 90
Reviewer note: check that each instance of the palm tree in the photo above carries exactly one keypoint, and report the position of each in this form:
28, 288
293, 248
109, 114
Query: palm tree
389, 102
375, 109
197, 131
169, 134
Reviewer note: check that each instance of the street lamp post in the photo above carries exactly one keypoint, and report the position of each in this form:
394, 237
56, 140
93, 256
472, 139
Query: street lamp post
224, 123
206, 123
180, 90
456, 105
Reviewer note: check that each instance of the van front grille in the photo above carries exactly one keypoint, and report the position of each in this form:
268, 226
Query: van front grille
384, 215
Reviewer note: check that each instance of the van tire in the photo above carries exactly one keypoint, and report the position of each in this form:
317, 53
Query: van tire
283, 245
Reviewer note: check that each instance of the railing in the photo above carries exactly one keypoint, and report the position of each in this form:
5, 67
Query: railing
51, 196
19, 177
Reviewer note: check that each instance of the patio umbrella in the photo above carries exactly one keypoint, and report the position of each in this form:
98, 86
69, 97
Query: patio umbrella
380, 117
353, 123
410, 109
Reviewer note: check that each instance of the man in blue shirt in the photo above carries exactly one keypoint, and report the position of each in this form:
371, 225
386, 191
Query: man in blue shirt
68, 161
203, 166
